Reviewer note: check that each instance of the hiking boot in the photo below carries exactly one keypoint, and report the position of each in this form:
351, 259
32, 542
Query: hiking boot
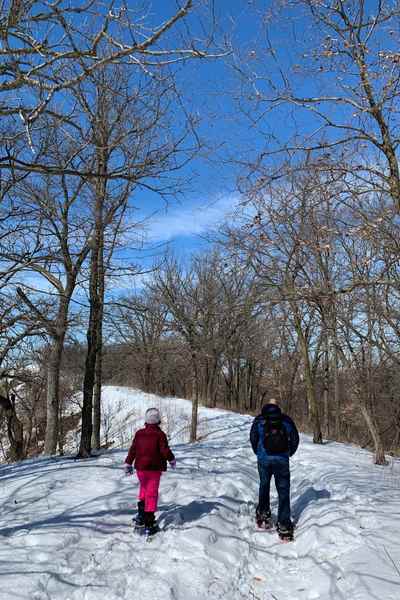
285, 530
263, 518
138, 521
150, 524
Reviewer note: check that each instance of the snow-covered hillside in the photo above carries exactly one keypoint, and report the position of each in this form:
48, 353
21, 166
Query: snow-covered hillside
66, 533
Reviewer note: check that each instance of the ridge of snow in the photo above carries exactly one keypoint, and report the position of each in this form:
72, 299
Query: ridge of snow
123, 412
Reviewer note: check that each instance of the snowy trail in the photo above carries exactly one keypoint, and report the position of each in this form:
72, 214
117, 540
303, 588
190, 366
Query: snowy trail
66, 535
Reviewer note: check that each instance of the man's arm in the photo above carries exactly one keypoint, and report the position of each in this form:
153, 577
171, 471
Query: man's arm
254, 436
293, 435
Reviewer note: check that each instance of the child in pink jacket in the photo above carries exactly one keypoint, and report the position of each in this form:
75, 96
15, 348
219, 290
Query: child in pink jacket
151, 452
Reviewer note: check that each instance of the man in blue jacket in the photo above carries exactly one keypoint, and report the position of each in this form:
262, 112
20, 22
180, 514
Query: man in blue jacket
274, 438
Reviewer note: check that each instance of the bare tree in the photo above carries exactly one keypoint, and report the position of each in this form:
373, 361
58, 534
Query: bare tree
276, 244
338, 89
124, 128
60, 264
14, 425
178, 291
40, 70
140, 322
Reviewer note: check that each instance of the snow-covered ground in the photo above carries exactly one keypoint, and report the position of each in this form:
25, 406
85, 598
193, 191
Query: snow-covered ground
66, 533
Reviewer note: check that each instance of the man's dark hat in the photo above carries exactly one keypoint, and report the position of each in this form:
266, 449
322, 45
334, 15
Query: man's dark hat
269, 410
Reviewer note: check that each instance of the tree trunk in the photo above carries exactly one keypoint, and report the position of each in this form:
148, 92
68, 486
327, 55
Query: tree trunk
96, 289
147, 375
96, 434
85, 447
15, 437
56, 331
211, 387
249, 384
238, 385
310, 386
229, 381
313, 408
326, 387
195, 401
61, 433
53, 396
290, 392
336, 388
14, 430
374, 431
335, 371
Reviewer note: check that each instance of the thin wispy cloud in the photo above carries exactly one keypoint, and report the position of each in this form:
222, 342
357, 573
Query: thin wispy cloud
187, 221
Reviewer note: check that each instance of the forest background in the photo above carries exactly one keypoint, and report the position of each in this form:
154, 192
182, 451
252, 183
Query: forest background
199, 199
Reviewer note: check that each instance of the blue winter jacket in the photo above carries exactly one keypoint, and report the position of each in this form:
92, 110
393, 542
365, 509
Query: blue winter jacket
257, 432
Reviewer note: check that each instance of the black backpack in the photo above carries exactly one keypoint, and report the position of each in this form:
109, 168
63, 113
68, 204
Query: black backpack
275, 435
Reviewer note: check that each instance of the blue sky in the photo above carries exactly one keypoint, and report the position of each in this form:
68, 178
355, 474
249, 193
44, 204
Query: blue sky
211, 89
191, 219
210, 190
214, 91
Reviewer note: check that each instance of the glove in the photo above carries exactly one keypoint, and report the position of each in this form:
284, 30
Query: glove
128, 469
172, 464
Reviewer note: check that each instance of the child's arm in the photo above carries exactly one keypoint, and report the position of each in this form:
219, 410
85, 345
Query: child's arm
165, 449
131, 453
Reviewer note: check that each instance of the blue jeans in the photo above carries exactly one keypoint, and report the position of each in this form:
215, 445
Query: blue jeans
278, 466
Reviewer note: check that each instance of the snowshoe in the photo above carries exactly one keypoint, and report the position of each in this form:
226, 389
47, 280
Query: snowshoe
285, 532
264, 520
138, 521
150, 524
152, 530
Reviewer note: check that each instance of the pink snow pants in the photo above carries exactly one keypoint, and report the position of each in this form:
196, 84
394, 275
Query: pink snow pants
148, 491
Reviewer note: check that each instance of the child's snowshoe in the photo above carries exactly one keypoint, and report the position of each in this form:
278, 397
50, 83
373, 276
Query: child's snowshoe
152, 530
138, 521
150, 524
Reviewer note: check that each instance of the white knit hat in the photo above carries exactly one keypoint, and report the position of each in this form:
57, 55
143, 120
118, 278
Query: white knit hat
152, 416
